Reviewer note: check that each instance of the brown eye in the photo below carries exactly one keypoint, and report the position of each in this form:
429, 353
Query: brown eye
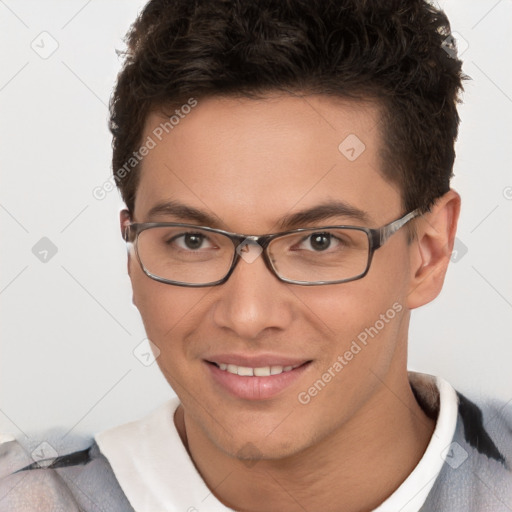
320, 241
189, 241
193, 240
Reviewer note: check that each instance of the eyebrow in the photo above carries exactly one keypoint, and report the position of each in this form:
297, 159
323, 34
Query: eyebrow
322, 212
315, 214
184, 213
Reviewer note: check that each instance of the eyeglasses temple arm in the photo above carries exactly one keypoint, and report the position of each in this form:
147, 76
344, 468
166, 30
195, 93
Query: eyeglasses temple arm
128, 233
386, 231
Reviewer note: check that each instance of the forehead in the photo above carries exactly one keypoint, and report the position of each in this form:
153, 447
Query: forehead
251, 162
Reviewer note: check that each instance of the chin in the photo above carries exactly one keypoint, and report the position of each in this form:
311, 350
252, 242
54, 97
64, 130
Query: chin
255, 444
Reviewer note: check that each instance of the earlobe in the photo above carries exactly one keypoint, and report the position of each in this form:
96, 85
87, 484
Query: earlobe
432, 248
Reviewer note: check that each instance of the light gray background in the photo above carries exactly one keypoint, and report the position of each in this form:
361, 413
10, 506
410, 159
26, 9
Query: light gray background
68, 327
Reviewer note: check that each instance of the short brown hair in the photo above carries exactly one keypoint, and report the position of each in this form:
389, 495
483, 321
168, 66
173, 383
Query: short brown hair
392, 51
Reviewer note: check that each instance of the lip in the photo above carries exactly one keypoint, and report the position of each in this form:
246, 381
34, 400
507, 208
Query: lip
256, 388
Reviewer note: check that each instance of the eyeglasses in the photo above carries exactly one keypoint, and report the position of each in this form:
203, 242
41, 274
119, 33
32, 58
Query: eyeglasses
189, 255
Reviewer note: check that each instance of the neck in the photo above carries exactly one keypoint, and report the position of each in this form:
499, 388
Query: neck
359, 465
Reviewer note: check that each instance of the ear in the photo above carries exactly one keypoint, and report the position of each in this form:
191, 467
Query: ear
431, 250
124, 220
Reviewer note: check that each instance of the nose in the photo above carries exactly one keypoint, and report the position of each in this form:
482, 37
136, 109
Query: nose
253, 299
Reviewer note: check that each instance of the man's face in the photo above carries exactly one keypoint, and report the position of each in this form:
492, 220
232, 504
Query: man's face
248, 164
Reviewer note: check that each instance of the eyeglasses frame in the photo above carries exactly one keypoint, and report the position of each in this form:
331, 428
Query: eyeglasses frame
377, 237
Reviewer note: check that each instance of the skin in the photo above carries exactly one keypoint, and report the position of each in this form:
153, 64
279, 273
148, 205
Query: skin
249, 163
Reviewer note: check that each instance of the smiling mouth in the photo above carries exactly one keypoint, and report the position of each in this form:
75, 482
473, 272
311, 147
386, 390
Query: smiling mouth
263, 371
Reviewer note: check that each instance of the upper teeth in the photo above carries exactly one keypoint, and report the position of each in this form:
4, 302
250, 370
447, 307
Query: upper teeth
264, 371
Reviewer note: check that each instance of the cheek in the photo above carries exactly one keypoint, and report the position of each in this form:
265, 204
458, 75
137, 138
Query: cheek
342, 311
168, 312
360, 321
